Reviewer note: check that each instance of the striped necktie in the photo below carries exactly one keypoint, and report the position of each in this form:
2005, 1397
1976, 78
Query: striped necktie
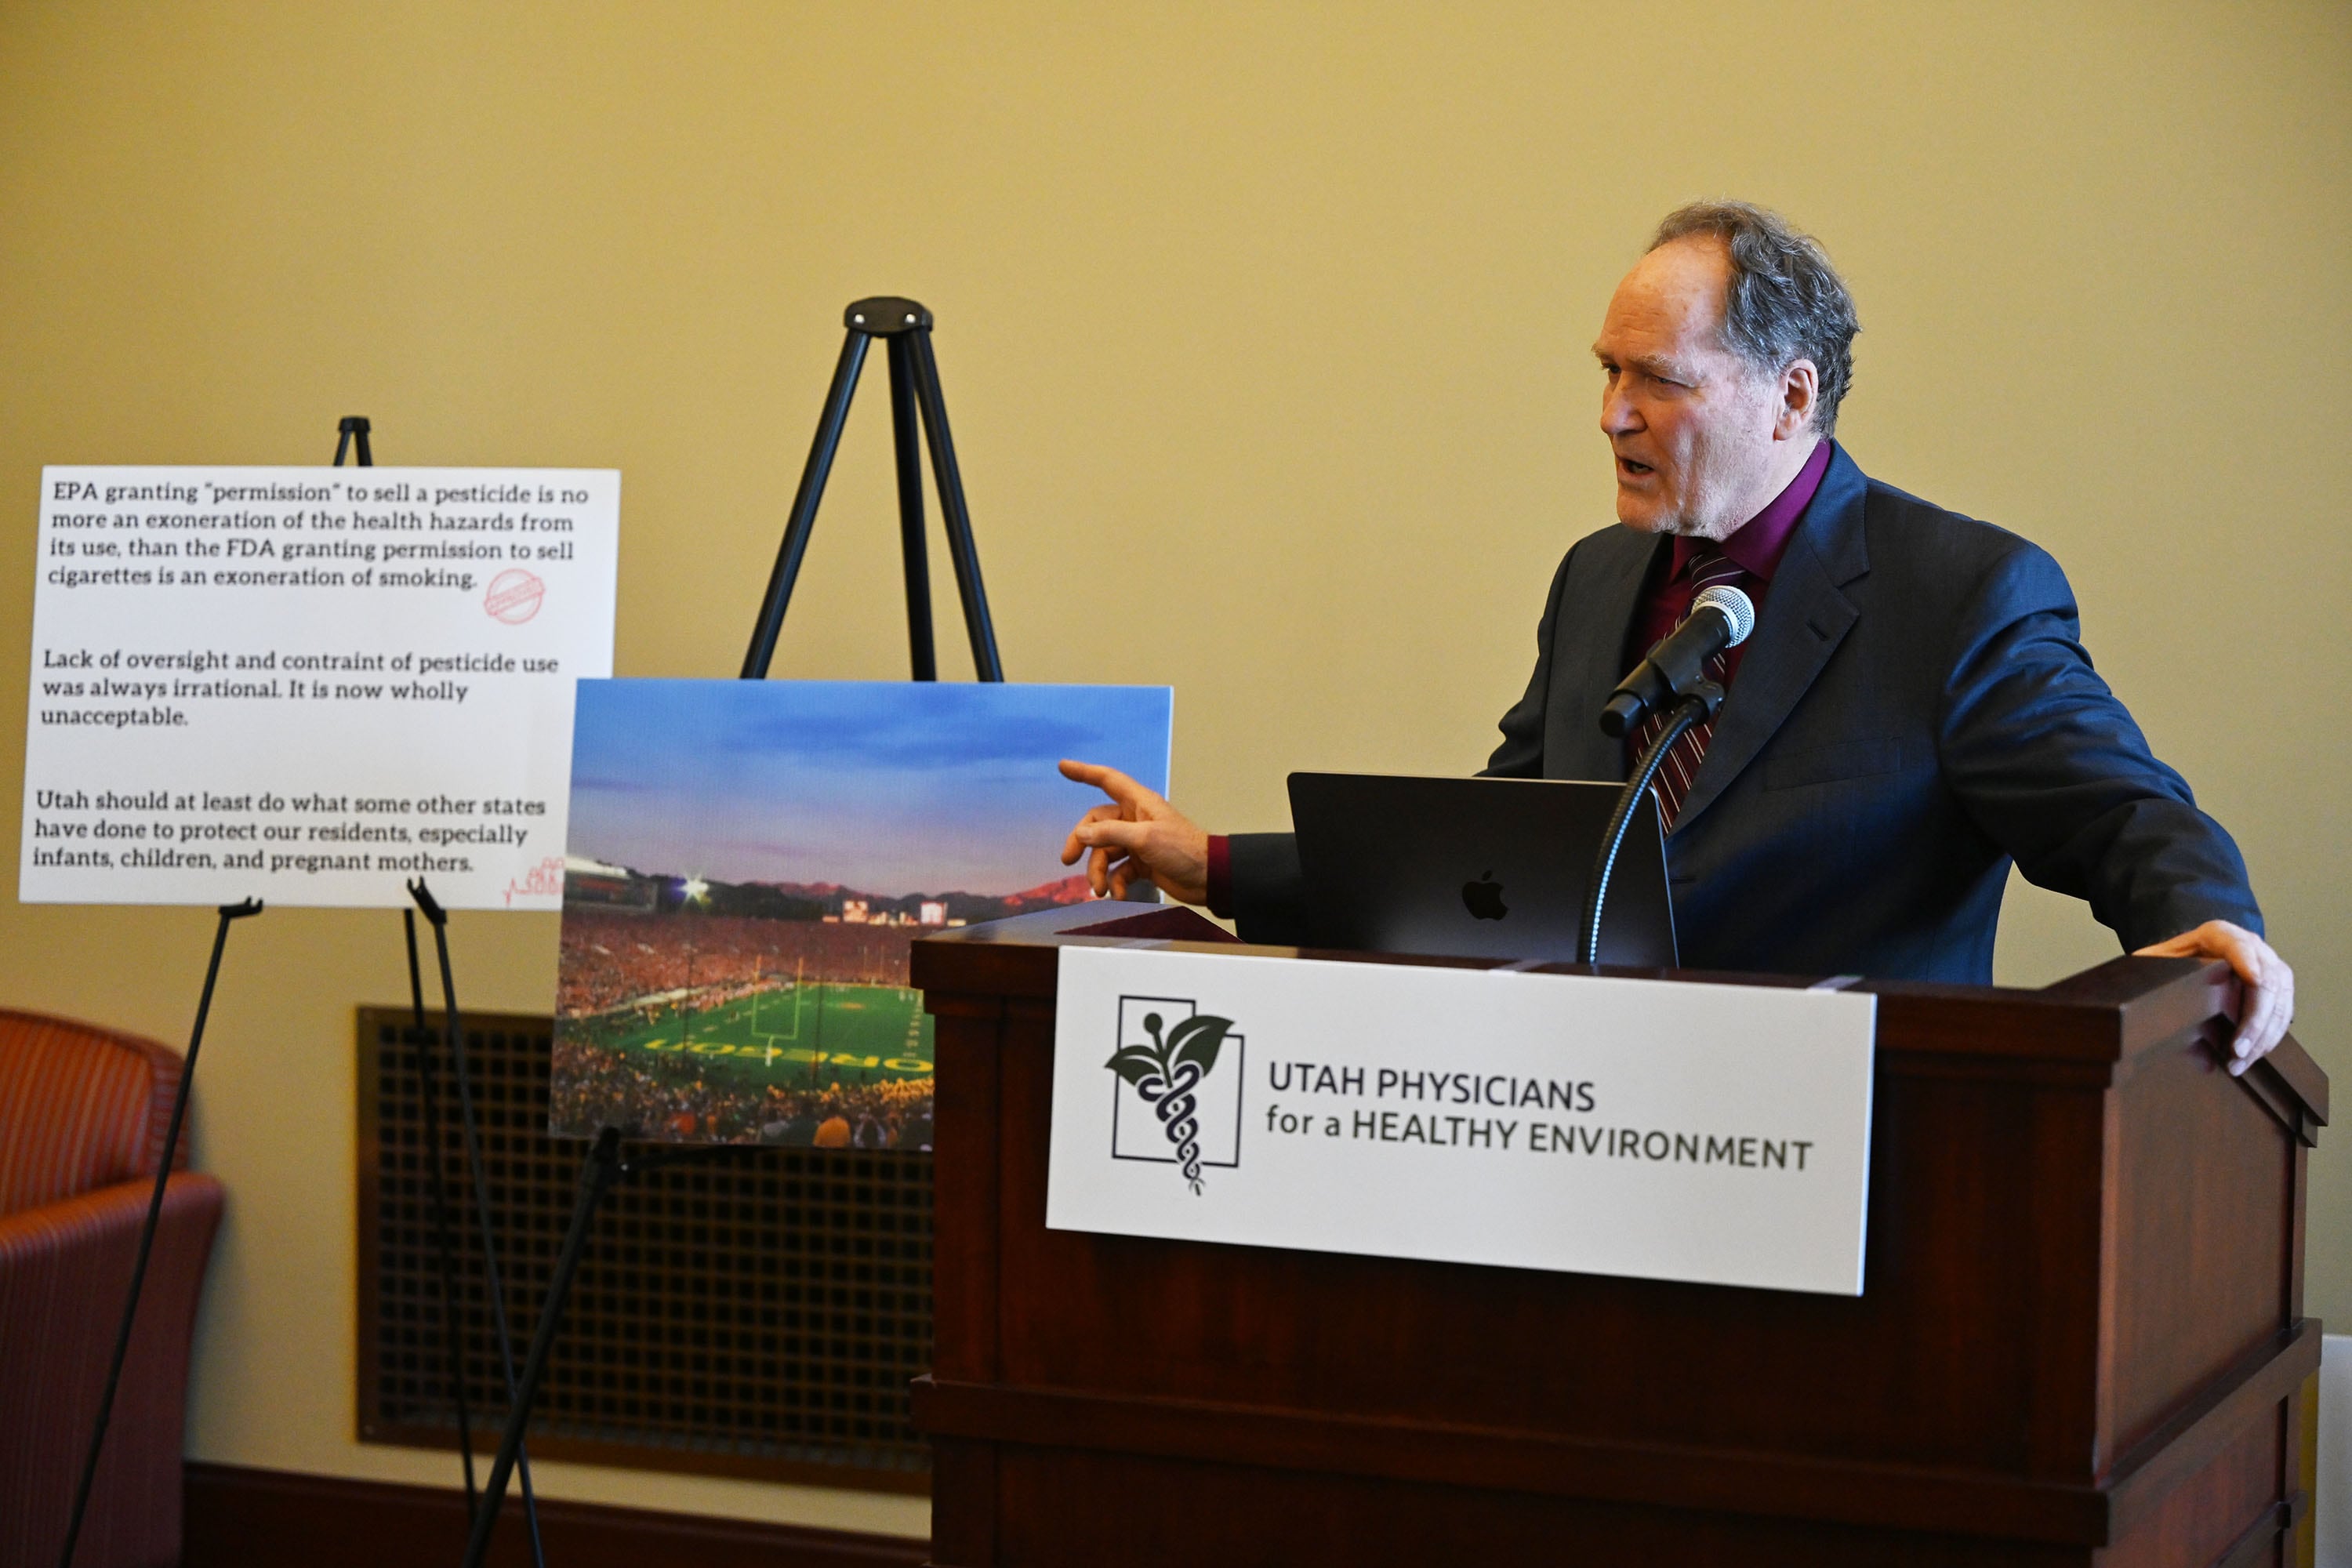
1708, 566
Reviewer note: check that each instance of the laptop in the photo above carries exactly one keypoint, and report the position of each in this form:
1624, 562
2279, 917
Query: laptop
1477, 868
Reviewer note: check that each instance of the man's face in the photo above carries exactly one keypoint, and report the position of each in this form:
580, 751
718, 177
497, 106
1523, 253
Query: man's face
1692, 424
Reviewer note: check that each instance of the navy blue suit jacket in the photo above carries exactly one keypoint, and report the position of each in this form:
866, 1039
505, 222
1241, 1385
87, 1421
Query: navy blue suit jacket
1913, 712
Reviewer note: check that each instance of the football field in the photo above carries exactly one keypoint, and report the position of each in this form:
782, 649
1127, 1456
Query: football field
793, 1037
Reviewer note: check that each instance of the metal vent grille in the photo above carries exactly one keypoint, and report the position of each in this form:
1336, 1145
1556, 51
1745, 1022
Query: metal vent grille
758, 1314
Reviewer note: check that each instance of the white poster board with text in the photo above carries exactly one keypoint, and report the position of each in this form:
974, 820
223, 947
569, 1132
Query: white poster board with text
308, 685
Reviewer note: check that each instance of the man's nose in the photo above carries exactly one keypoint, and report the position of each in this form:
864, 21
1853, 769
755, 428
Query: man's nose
1617, 415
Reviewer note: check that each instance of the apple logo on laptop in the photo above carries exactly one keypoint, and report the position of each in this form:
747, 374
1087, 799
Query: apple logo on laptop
1484, 898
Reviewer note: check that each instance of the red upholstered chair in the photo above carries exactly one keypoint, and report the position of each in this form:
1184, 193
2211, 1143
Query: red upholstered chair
82, 1115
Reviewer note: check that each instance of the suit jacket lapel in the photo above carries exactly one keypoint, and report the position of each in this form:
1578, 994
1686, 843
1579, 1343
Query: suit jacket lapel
1596, 611
1805, 617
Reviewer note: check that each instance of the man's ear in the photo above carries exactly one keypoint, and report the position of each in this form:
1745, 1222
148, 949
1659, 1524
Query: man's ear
1800, 385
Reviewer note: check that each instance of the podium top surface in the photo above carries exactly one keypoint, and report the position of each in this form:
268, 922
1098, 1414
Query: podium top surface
2103, 1017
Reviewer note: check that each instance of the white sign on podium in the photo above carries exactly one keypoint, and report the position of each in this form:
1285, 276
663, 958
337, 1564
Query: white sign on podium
1663, 1129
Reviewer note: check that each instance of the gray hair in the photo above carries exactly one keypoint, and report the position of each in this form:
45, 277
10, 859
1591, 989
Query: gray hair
1786, 302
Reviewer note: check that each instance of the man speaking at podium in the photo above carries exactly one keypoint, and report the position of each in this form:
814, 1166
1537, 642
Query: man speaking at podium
1913, 711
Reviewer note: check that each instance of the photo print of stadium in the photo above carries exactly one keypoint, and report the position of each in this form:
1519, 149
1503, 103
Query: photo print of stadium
751, 863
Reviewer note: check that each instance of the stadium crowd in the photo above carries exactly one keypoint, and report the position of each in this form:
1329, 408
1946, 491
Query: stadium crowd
612, 958
667, 1099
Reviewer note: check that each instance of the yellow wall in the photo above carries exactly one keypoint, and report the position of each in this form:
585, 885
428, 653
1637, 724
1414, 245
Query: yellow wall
1262, 329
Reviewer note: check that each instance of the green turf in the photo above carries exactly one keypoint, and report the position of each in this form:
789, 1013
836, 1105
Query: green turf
794, 1038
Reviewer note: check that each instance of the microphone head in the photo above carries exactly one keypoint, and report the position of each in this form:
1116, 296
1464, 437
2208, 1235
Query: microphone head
1734, 605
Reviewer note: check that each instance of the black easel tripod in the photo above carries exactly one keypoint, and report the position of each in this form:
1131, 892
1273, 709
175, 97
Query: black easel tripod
606, 1167
353, 429
485, 1509
914, 390
906, 326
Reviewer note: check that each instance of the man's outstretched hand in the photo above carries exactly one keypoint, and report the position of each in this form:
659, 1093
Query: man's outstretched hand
2270, 984
1137, 836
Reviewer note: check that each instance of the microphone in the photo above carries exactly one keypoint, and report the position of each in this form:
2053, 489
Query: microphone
1720, 618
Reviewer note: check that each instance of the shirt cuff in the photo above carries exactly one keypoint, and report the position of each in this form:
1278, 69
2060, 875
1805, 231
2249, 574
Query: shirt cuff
1220, 876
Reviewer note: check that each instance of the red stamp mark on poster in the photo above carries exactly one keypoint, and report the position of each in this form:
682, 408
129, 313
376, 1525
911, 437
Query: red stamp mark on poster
514, 596
546, 879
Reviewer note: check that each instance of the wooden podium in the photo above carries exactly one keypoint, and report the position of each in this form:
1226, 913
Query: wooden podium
2080, 1339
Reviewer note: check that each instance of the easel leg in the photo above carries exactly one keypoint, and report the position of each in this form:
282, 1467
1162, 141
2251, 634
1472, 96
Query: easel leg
953, 513
491, 1283
803, 518
453, 1336
906, 440
598, 1173
147, 1232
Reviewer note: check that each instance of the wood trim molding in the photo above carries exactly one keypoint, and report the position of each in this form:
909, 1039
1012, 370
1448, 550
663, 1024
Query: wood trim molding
1842, 1490
2247, 1392
239, 1517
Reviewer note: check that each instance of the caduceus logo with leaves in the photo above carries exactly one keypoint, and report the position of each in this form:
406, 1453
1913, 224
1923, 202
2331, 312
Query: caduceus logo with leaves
1168, 1071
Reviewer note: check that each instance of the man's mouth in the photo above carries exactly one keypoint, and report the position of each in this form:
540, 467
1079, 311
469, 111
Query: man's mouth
1628, 469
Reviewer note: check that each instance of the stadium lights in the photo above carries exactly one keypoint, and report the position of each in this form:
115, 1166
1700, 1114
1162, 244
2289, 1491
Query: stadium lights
696, 888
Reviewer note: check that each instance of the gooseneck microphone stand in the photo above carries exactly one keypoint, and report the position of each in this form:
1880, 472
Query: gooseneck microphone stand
229, 912
906, 326
1671, 680
1698, 705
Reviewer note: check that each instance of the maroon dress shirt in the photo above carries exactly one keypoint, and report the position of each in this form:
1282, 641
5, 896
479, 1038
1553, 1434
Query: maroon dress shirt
1756, 548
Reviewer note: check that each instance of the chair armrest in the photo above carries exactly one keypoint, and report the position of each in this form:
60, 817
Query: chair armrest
64, 1269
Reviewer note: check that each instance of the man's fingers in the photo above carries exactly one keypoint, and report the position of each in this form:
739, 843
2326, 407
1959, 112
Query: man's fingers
1093, 773
2270, 999
1074, 846
1111, 831
2262, 1000
2243, 949
1126, 874
1105, 868
1120, 871
2251, 1021
2276, 1010
1110, 781
2268, 1005
2236, 948
1116, 852
2188, 944
2284, 1019
2258, 1030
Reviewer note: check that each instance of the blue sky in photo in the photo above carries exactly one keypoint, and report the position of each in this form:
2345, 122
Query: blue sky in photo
888, 788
